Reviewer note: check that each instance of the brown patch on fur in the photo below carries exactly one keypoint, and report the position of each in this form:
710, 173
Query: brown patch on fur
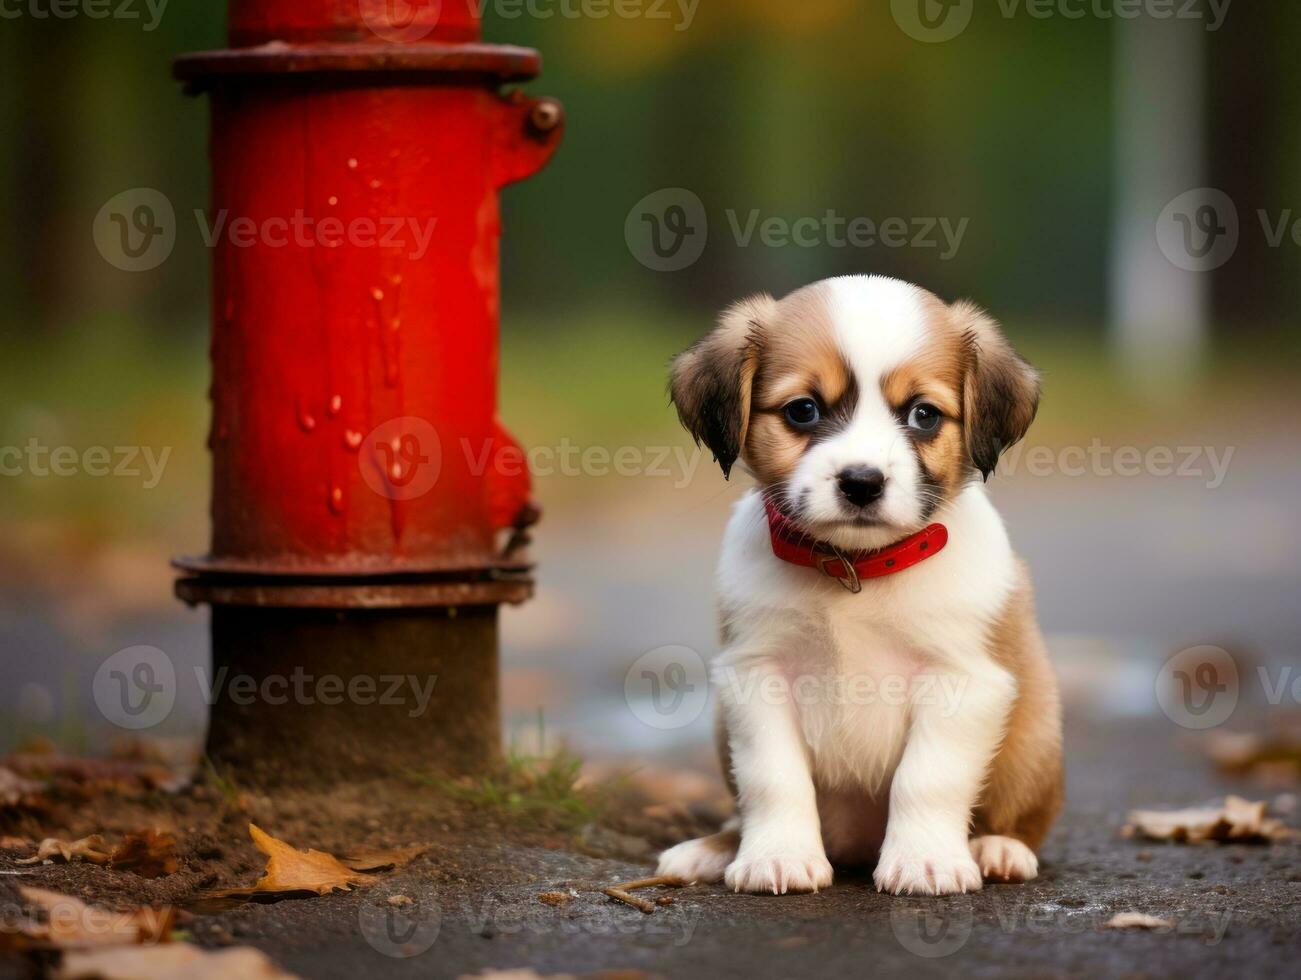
1024, 791
711, 382
801, 358
1000, 392
937, 375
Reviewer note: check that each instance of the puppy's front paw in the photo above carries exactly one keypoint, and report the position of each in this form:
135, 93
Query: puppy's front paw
1004, 859
904, 870
777, 870
702, 860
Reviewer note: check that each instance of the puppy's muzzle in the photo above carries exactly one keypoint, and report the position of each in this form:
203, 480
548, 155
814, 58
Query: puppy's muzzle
861, 485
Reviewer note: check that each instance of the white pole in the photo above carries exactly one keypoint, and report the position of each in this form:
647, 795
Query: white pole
1160, 289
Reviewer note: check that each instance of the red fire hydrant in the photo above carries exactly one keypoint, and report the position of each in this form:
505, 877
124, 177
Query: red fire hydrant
359, 514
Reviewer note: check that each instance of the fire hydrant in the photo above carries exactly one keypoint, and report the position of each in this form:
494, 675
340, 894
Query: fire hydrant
363, 533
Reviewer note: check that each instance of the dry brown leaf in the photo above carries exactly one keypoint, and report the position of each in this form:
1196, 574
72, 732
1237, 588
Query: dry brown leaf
94, 775
168, 962
290, 870
1237, 820
1276, 755
150, 854
90, 849
383, 859
1137, 920
69, 923
14, 843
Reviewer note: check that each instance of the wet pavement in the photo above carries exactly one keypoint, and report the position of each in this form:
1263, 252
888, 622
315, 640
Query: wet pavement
1127, 571
1235, 909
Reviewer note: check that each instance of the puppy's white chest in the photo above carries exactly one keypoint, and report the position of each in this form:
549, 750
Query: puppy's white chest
854, 698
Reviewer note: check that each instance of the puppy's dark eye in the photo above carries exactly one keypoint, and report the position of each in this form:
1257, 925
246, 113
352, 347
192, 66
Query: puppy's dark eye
925, 417
803, 413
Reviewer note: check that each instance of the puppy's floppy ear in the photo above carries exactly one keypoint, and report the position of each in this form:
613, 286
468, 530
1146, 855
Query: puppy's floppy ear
711, 382
1000, 390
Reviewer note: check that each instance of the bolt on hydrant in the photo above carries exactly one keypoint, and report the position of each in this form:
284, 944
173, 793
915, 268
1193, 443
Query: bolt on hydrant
358, 553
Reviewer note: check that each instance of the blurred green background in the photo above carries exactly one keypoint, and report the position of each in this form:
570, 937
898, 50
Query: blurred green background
1031, 129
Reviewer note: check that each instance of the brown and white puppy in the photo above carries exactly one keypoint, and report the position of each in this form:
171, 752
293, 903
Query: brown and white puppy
915, 722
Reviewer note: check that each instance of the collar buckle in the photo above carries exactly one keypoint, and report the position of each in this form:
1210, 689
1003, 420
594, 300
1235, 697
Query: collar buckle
850, 579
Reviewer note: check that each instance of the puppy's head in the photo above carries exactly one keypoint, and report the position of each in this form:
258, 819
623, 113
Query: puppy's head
862, 404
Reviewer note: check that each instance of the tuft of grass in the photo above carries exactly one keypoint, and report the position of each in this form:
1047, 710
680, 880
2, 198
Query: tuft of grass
223, 784
541, 789
537, 788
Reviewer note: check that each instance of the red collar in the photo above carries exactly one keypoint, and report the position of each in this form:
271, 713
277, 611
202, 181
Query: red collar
791, 544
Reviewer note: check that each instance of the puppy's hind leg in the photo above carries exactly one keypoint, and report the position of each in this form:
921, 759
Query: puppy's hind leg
703, 860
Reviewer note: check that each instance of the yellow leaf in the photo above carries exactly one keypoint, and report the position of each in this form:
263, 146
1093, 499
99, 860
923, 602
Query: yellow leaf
291, 870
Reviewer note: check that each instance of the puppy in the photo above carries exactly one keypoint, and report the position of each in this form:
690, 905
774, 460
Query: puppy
883, 686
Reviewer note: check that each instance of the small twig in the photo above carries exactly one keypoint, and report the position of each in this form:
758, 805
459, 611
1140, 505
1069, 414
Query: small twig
623, 893
632, 886
619, 895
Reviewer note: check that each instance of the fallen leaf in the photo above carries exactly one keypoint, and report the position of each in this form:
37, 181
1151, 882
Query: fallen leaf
554, 898
383, 859
290, 870
14, 843
69, 923
90, 849
1137, 920
1237, 820
96, 775
150, 854
1276, 755
169, 962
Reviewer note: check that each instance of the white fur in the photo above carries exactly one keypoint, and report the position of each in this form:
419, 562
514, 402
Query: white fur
839, 743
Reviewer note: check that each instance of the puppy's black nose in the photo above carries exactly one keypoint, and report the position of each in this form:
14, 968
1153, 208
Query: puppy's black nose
861, 485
